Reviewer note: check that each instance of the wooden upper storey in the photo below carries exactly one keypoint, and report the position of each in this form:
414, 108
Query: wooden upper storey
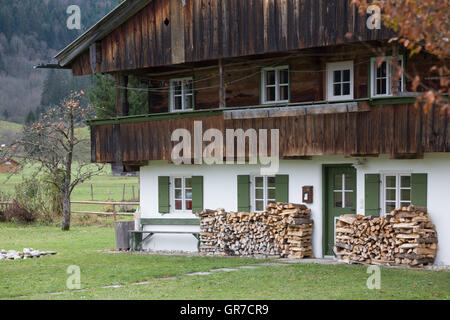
166, 32
400, 130
309, 123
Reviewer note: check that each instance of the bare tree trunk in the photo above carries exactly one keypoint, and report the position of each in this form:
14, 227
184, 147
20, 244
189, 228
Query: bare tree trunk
66, 211
68, 179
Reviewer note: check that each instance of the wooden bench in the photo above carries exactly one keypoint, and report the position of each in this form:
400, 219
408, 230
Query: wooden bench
136, 236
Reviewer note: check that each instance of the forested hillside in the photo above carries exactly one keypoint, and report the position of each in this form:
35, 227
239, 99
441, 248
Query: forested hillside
32, 32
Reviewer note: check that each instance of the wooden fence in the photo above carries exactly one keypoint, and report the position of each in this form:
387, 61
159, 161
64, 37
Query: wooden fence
114, 204
113, 213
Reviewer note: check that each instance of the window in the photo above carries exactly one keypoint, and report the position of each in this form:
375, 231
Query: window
275, 84
381, 82
181, 94
396, 191
342, 191
340, 80
263, 192
182, 193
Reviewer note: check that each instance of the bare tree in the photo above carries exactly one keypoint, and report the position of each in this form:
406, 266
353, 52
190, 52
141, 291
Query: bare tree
52, 143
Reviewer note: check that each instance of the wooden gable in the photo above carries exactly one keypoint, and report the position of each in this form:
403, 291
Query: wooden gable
167, 32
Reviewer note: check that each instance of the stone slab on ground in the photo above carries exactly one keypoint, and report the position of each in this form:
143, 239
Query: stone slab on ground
198, 274
27, 253
310, 260
223, 269
273, 264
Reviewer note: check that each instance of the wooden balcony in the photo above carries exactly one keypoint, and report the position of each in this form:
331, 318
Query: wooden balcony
350, 129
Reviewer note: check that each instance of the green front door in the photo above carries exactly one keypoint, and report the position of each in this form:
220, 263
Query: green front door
340, 195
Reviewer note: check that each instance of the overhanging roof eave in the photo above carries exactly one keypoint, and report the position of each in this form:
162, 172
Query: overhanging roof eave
99, 30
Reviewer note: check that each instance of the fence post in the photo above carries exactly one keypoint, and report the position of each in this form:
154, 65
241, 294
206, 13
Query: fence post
114, 212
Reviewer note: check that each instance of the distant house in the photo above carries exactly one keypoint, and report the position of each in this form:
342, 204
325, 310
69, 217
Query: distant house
9, 166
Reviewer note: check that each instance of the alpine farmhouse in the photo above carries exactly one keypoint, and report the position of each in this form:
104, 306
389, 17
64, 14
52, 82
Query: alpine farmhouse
350, 138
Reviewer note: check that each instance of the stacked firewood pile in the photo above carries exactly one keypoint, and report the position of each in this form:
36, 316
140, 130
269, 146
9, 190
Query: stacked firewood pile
404, 237
282, 230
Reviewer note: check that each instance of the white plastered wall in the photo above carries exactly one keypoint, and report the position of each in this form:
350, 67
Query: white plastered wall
220, 191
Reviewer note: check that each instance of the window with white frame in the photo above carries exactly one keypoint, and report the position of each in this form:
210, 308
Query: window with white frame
342, 191
181, 94
182, 194
396, 191
382, 76
263, 192
340, 80
275, 84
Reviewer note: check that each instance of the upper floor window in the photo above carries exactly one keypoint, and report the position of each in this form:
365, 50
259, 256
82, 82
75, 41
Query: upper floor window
396, 191
340, 80
181, 94
264, 191
382, 76
275, 84
182, 193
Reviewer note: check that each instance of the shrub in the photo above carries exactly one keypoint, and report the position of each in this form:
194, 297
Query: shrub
3, 198
53, 195
16, 212
30, 204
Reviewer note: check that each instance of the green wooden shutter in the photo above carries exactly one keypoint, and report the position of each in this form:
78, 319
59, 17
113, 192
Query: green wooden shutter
372, 194
419, 189
164, 194
243, 195
197, 194
282, 188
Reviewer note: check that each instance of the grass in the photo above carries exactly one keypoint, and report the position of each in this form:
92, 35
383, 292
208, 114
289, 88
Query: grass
83, 247
105, 187
9, 131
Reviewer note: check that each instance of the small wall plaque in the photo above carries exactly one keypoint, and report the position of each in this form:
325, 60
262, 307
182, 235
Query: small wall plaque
307, 194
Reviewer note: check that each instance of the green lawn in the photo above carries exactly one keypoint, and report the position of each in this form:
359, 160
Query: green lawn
9, 131
82, 246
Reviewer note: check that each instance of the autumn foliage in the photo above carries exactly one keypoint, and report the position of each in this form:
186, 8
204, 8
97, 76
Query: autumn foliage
420, 25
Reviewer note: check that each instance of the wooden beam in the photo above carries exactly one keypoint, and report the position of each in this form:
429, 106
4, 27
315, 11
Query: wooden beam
171, 221
404, 156
149, 97
177, 31
296, 157
122, 107
395, 70
365, 155
95, 56
117, 155
222, 91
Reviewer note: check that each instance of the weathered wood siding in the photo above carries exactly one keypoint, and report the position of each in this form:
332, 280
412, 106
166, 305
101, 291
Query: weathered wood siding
307, 77
385, 129
165, 32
